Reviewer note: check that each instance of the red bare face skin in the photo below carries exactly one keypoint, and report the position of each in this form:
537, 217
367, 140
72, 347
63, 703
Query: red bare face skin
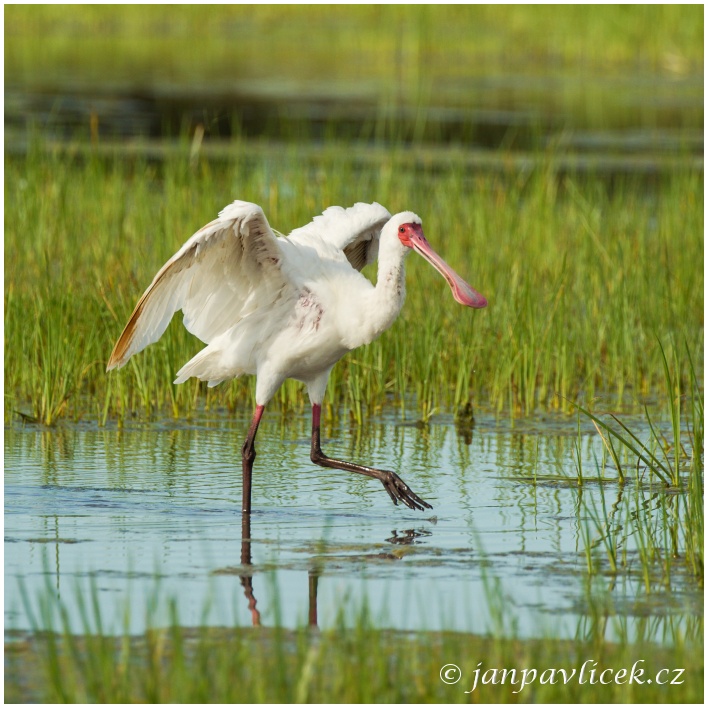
411, 235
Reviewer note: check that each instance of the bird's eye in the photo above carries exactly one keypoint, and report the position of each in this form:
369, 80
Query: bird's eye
401, 230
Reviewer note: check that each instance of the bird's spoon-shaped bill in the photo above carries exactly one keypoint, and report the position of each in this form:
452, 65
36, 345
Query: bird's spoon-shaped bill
462, 291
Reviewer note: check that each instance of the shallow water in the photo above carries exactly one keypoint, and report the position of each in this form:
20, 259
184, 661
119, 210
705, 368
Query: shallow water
149, 512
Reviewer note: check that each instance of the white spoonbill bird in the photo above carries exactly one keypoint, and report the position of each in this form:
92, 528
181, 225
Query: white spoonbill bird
283, 308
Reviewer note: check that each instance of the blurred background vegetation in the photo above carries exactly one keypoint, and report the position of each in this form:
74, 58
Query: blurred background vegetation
489, 73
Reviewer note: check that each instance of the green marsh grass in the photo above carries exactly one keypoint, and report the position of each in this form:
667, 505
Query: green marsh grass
578, 294
61, 662
659, 505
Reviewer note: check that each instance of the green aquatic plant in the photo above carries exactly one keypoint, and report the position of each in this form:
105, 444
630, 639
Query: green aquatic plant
663, 525
654, 452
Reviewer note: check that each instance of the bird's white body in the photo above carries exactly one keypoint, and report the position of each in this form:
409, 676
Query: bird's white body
272, 306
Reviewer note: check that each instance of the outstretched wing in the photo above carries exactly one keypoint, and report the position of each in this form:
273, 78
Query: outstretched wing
223, 273
354, 231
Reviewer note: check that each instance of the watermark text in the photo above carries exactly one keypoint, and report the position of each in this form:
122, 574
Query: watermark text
588, 673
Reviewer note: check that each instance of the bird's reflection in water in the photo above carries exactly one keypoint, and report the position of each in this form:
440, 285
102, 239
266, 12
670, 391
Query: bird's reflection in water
312, 578
409, 536
247, 580
406, 537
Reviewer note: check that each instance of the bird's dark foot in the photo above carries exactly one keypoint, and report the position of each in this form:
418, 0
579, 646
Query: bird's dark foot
398, 490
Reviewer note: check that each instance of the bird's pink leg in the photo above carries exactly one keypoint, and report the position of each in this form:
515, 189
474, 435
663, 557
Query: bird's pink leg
397, 489
248, 455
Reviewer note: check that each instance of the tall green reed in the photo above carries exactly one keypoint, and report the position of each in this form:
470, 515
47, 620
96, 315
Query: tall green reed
579, 276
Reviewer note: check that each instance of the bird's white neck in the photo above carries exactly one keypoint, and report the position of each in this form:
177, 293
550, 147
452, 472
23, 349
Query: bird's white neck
386, 299
390, 290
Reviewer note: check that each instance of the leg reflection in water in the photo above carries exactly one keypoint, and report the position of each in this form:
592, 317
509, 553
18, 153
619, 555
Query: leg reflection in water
247, 580
405, 538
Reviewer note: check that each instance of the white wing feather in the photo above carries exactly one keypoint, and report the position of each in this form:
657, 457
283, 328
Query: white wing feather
354, 231
223, 273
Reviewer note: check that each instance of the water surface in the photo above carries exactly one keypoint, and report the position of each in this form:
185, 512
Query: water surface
140, 514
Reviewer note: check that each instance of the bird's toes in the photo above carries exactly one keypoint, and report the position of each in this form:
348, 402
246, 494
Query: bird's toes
391, 493
398, 490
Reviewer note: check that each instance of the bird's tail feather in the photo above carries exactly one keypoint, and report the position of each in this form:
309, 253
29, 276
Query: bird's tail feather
207, 365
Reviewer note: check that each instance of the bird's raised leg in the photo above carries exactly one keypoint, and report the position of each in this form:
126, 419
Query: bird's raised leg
248, 455
397, 489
